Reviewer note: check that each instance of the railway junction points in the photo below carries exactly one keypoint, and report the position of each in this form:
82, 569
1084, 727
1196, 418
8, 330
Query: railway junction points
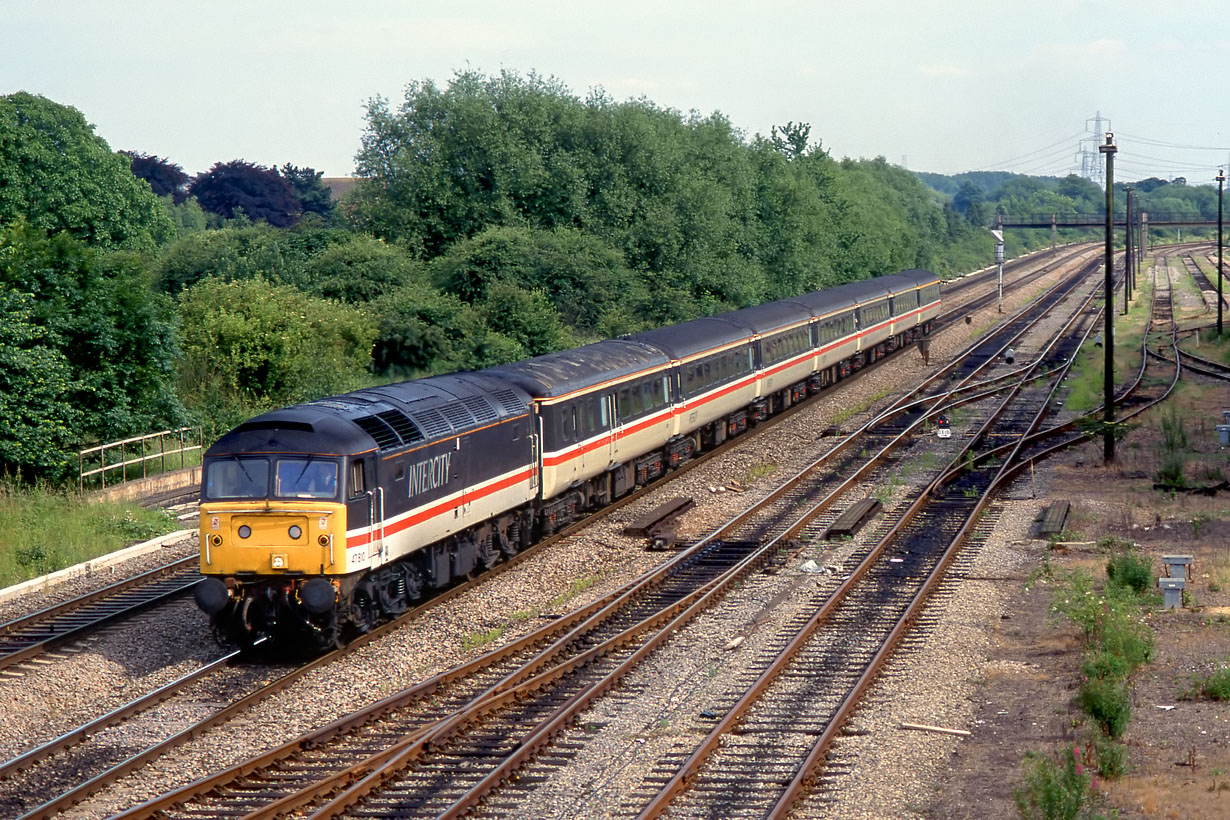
992, 660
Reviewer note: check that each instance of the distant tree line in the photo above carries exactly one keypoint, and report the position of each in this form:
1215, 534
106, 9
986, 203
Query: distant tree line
496, 218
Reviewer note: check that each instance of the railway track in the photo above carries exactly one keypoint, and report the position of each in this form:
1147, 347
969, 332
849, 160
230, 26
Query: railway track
161, 748
608, 642
29, 636
1208, 291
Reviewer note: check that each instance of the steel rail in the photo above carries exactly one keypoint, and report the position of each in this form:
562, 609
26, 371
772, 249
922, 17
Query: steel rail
32, 635
1007, 472
528, 745
689, 769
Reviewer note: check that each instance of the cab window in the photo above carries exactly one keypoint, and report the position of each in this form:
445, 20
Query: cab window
237, 478
305, 478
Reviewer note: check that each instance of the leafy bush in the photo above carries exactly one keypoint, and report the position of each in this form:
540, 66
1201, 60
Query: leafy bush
1109, 702
1127, 569
1103, 664
252, 345
1128, 638
1112, 758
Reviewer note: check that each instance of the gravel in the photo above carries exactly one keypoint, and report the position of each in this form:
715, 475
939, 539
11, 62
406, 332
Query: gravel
578, 570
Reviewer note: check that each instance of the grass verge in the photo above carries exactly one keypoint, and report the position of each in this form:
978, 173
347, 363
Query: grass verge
43, 529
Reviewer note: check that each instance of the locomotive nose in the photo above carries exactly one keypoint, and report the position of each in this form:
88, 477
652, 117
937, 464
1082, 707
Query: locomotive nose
211, 596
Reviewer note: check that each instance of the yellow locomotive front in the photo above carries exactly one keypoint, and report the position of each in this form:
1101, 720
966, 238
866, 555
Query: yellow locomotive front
272, 535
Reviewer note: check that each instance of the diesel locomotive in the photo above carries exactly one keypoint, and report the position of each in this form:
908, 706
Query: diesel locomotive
322, 519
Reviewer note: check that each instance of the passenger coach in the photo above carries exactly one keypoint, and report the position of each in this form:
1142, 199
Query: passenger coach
334, 514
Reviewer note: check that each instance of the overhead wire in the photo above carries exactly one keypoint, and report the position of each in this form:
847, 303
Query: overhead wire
995, 166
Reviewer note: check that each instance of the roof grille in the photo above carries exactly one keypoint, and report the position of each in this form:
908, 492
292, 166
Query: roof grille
458, 416
401, 423
509, 401
432, 423
481, 408
386, 437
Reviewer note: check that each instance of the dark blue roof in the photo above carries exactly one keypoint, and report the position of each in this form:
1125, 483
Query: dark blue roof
388, 417
689, 338
908, 279
769, 316
556, 374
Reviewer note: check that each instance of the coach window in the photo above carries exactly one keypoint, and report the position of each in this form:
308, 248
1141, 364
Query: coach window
358, 484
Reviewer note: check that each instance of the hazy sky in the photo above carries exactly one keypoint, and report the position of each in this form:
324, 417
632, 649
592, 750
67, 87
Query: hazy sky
941, 85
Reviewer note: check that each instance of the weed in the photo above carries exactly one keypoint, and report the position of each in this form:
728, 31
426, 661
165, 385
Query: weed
1103, 665
1217, 685
479, 639
1172, 454
1109, 702
1112, 758
1127, 569
1128, 638
1111, 544
757, 471
578, 586
1054, 789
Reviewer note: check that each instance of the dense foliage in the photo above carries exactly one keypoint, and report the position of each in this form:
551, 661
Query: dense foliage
496, 218
705, 220
92, 348
229, 189
252, 345
57, 175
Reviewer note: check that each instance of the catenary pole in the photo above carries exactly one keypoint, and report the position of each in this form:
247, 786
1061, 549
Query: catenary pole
1221, 180
1108, 375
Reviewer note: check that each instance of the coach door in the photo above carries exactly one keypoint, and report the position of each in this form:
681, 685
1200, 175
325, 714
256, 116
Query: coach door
359, 503
377, 512
610, 423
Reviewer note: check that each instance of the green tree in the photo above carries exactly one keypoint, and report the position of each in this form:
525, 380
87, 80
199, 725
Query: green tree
313, 195
586, 280
58, 175
250, 345
527, 317
98, 310
791, 139
423, 331
37, 422
359, 269
247, 251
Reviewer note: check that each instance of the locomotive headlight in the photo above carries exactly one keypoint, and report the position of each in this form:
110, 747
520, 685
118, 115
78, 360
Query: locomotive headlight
294, 532
245, 531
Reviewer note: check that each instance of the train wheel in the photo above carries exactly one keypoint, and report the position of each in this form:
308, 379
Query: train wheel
364, 612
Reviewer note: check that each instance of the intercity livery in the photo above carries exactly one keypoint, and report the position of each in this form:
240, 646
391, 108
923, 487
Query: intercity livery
320, 520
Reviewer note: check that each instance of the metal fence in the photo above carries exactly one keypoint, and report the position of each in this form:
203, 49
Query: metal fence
163, 446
